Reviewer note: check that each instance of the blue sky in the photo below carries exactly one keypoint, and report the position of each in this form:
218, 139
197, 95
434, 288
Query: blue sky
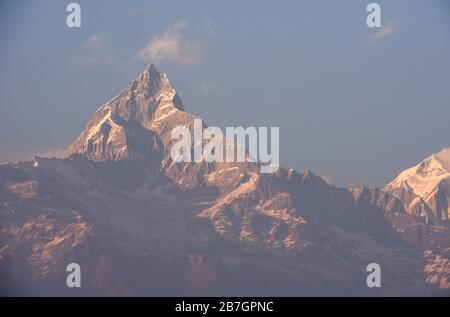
352, 106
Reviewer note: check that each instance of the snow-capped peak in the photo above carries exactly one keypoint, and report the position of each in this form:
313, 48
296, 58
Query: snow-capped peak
423, 178
147, 105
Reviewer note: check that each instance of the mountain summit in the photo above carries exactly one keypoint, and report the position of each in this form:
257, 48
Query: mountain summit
140, 224
425, 188
124, 127
137, 125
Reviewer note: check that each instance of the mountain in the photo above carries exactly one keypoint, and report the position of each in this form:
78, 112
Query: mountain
140, 224
425, 188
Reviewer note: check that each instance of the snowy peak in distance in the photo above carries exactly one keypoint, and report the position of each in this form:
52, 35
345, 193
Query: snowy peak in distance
124, 126
425, 188
425, 176
154, 83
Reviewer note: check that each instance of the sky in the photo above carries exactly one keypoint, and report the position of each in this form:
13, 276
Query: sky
354, 104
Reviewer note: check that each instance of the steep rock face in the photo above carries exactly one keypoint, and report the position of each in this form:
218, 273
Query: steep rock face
137, 125
122, 128
425, 188
433, 240
139, 223
328, 228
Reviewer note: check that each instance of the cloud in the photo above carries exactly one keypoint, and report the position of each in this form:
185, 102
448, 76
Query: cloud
382, 32
88, 54
175, 45
444, 157
208, 87
94, 42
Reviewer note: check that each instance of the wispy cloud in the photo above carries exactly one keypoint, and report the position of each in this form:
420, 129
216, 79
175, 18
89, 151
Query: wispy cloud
88, 53
208, 87
94, 42
175, 45
382, 32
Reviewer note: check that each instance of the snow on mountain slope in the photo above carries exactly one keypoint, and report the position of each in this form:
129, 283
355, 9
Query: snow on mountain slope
139, 223
122, 128
137, 124
425, 189
424, 177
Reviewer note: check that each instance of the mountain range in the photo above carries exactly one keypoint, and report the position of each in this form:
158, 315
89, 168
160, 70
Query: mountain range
140, 224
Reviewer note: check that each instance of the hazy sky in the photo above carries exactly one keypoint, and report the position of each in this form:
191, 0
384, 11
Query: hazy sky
354, 104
